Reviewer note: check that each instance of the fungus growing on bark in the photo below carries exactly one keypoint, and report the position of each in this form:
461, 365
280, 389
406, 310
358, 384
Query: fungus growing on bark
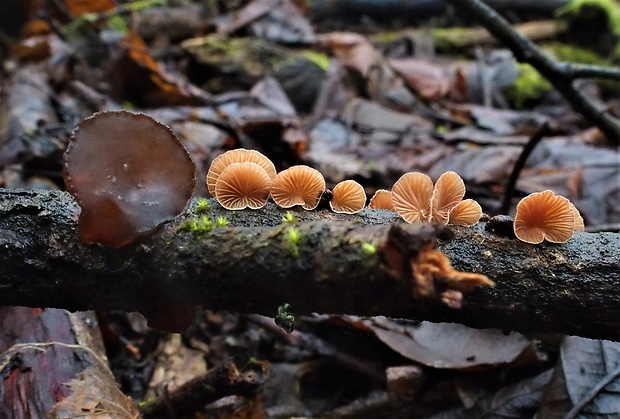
579, 225
348, 197
129, 174
411, 197
544, 216
449, 191
238, 155
382, 199
465, 213
298, 185
242, 185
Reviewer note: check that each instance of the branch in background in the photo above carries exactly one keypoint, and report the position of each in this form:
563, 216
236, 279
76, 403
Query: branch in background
559, 74
358, 265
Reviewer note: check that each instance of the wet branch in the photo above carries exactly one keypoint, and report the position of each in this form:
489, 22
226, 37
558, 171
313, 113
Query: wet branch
560, 75
367, 264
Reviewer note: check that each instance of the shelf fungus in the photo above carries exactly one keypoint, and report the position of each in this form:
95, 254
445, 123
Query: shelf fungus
348, 197
298, 185
242, 185
238, 155
382, 199
129, 174
416, 200
546, 216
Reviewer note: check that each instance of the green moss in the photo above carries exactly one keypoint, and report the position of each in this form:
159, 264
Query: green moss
369, 248
293, 237
318, 58
201, 206
289, 218
573, 54
198, 225
530, 85
610, 9
221, 222
285, 319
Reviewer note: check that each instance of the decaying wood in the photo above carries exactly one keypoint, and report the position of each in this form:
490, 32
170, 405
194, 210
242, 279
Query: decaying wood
251, 266
53, 355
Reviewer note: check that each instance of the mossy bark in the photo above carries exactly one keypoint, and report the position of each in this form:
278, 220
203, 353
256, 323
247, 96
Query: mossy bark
252, 266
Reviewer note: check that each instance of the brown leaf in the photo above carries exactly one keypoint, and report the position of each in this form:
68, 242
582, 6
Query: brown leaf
429, 80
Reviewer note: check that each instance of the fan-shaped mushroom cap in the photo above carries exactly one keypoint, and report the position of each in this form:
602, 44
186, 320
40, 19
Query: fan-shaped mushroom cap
449, 191
544, 215
298, 185
242, 185
579, 225
411, 197
128, 173
382, 199
348, 197
465, 213
238, 155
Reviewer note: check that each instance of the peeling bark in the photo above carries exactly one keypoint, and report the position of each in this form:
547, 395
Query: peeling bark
252, 267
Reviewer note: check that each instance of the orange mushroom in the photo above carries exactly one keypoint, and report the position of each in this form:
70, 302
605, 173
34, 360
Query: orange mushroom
382, 199
298, 185
411, 197
544, 216
579, 225
242, 185
449, 191
465, 213
348, 197
129, 174
238, 155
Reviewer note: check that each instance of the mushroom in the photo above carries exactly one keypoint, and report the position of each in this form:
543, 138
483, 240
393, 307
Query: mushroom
449, 191
411, 197
382, 199
237, 156
579, 225
348, 197
242, 185
465, 213
298, 185
129, 174
544, 216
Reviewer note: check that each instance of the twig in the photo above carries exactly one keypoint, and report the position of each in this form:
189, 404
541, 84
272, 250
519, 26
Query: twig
590, 395
520, 163
577, 71
558, 74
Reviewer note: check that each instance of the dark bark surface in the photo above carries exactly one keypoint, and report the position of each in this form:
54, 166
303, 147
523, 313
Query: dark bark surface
250, 266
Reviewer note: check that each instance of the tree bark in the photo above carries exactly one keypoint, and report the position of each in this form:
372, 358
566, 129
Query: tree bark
365, 264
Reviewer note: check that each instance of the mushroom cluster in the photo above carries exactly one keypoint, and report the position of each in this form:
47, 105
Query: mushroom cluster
416, 199
546, 216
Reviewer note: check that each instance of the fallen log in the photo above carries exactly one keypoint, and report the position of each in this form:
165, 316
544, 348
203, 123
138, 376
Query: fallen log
365, 264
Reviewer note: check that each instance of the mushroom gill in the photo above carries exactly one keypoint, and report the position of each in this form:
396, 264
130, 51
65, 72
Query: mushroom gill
465, 213
242, 185
382, 199
411, 197
544, 216
129, 174
238, 155
348, 197
298, 185
449, 191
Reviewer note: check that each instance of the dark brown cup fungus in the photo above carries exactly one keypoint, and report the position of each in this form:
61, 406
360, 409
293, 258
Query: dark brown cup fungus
129, 174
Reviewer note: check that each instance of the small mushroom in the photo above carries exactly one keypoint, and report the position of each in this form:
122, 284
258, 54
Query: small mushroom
465, 213
129, 174
544, 216
348, 197
411, 197
238, 155
298, 185
579, 225
382, 199
449, 191
242, 185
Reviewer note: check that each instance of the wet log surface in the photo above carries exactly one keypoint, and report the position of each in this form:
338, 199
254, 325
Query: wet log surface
252, 267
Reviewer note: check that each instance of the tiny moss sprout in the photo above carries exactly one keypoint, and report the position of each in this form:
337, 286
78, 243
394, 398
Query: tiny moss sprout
198, 225
202, 206
285, 319
293, 237
221, 222
289, 217
369, 248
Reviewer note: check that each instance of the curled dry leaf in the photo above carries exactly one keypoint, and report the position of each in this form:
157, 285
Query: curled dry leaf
298, 185
411, 196
465, 213
348, 197
382, 199
242, 185
238, 155
544, 216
